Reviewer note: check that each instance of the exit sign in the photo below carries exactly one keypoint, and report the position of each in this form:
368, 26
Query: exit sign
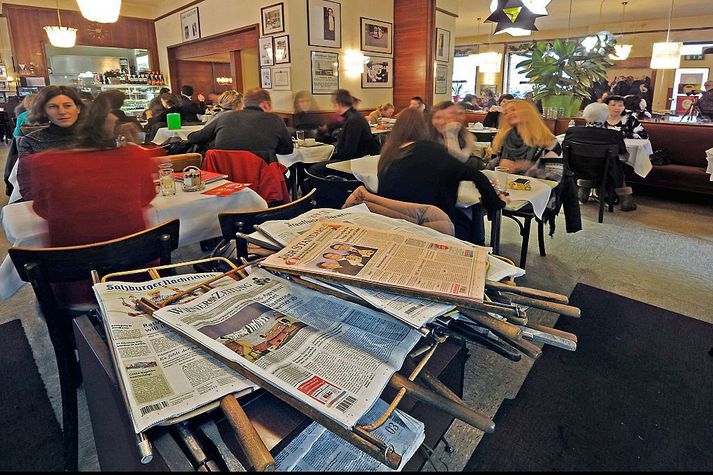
694, 57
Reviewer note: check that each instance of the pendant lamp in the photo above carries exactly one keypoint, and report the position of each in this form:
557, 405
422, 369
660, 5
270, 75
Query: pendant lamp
487, 62
667, 55
517, 18
61, 36
621, 51
100, 11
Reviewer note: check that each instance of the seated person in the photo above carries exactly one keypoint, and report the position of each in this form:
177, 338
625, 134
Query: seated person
171, 105
191, 109
470, 103
27, 104
126, 126
416, 170
623, 121
595, 132
302, 119
446, 129
226, 102
386, 110
355, 139
705, 103
156, 106
254, 128
416, 102
636, 105
492, 118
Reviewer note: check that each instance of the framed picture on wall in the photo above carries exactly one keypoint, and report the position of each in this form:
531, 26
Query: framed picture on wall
3, 97
190, 25
487, 89
378, 73
324, 23
266, 48
3, 85
282, 49
281, 79
443, 44
266, 78
441, 83
325, 72
273, 19
3, 71
376, 35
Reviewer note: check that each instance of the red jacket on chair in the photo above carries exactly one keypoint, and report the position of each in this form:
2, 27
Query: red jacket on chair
268, 181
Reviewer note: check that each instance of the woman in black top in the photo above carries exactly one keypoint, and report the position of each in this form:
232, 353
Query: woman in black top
416, 170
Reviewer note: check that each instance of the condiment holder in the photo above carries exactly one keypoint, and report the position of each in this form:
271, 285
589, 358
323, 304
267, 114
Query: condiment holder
192, 179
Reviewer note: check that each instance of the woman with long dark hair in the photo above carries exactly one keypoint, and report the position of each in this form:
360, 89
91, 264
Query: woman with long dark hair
414, 169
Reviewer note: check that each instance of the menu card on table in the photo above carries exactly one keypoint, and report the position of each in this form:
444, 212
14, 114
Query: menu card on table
226, 189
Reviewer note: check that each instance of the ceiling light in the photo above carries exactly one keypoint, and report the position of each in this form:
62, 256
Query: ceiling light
667, 55
61, 36
488, 62
517, 17
100, 11
621, 51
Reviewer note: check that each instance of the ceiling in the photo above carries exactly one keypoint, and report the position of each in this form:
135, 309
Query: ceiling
584, 12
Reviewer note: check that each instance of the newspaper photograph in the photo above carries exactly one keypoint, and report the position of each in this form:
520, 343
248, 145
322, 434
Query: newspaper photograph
385, 259
333, 355
316, 449
164, 376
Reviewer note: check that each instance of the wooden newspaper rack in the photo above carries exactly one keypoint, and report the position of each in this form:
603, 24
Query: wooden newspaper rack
435, 393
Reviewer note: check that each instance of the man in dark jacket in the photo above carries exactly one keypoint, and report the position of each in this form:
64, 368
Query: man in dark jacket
356, 139
596, 133
254, 129
191, 109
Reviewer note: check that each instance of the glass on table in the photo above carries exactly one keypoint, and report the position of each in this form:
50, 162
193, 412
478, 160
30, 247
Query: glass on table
167, 185
300, 134
501, 179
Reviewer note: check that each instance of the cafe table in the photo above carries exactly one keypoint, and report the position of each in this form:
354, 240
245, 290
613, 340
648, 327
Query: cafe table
198, 214
638, 156
164, 134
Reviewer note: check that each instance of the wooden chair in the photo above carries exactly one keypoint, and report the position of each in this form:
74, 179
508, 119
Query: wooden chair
245, 221
43, 267
334, 186
180, 161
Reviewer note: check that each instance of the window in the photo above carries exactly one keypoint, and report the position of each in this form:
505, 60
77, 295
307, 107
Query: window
464, 70
516, 84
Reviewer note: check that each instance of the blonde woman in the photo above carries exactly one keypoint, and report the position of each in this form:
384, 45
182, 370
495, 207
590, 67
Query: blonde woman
525, 145
384, 110
228, 101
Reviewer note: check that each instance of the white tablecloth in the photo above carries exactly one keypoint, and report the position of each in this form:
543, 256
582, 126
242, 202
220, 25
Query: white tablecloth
365, 170
198, 214
315, 154
709, 157
638, 158
164, 134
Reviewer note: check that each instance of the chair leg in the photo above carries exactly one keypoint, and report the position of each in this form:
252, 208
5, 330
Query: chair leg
525, 241
70, 414
541, 237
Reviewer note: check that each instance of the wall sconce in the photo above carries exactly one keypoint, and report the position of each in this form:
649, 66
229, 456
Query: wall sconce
224, 81
354, 63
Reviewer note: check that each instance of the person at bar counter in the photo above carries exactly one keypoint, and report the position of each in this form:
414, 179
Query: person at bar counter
596, 132
255, 129
191, 109
355, 139
414, 169
61, 106
623, 121
492, 118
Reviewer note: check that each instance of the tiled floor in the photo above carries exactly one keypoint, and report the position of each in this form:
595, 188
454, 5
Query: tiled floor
660, 254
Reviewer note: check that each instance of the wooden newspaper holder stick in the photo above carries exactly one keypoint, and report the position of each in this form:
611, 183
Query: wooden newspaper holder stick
553, 331
502, 329
526, 291
554, 307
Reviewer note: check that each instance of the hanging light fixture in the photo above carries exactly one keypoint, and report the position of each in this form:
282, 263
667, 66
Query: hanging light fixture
621, 51
490, 61
100, 11
667, 55
517, 17
61, 36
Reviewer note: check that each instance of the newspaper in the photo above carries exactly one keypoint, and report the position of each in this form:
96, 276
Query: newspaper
332, 355
164, 376
317, 449
388, 260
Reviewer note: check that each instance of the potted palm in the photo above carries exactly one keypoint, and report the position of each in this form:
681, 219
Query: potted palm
562, 71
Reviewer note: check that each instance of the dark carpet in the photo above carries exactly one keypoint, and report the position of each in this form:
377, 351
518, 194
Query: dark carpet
30, 436
636, 395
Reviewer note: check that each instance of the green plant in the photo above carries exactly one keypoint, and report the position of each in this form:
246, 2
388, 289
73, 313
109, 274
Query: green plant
565, 67
457, 86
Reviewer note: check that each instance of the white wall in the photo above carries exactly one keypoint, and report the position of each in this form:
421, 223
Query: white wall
446, 22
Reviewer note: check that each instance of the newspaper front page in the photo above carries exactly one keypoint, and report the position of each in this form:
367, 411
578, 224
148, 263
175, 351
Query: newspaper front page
331, 354
164, 375
385, 259
317, 449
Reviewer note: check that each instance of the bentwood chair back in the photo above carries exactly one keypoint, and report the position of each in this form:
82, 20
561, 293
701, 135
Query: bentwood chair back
245, 221
592, 162
181, 160
43, 267
333, 187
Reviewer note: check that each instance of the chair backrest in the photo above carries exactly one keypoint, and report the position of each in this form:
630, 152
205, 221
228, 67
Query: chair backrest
245, 221
180, 161
332, 188
242, 166
28, 129
588, 160
74, 263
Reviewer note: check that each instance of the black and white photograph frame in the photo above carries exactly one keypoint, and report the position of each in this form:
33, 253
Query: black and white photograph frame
282, 49
324, 23
266, 78
281, 79
190, 24
376, 35
3, 71
443, 44
441, 80
3, 85
324, 72
266, 49
378, 73
273, 19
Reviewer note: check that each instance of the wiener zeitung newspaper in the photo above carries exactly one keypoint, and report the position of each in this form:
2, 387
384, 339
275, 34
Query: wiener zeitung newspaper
331, 354
388, 260
163, 375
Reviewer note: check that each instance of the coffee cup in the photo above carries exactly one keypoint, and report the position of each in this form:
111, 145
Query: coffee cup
310, 141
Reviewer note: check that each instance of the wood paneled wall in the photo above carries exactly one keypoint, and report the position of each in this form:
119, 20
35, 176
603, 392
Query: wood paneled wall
414, 36
201, 75
27, 37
